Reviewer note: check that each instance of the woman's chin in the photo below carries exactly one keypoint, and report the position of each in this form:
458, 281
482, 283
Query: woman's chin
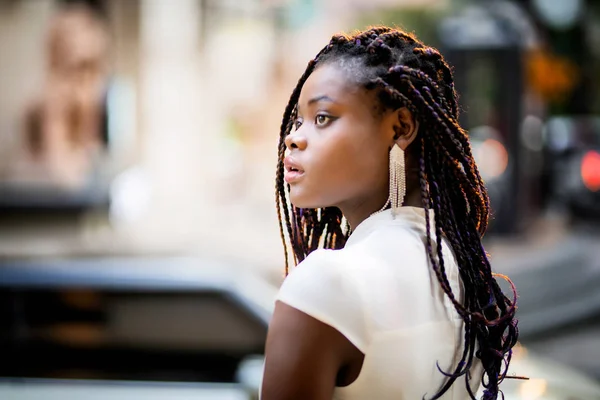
301, 204
304, 202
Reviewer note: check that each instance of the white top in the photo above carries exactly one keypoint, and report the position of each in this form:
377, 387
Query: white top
381, 292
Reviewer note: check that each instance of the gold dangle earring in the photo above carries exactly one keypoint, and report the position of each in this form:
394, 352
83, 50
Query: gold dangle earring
397, 184
397, 178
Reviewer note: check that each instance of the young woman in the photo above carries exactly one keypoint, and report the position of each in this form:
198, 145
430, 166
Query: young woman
393, 297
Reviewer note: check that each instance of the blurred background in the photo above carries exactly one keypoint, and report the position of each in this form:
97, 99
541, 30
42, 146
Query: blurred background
139, 246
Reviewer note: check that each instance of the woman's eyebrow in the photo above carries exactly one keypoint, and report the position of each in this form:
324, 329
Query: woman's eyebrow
321, 98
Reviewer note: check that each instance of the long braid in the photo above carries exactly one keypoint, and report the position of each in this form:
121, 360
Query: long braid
493, 368
409, 74
281, 198
457, 146
444, 73
462, 142
298, 230
441, 275
468, 167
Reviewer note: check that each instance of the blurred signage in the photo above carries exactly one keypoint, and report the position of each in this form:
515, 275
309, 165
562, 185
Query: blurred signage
551, 76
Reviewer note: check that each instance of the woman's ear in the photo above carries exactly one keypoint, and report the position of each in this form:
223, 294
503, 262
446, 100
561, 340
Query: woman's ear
406, 128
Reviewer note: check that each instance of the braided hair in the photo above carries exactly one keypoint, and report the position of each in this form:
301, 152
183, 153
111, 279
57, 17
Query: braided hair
409, 74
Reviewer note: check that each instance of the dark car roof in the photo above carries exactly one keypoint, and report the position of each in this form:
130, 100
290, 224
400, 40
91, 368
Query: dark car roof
143, 274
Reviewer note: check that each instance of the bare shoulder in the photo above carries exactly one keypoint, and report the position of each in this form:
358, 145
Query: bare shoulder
313, 340
305, 358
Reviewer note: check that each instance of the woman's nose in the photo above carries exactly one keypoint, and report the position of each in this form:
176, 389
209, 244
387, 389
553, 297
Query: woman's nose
295, 141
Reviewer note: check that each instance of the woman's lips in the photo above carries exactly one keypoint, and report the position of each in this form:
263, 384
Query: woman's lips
293, 170
292, 176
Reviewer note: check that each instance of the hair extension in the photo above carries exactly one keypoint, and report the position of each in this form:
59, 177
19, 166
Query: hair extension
409, 74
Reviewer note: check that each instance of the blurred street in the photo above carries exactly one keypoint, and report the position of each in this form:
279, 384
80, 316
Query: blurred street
138, 146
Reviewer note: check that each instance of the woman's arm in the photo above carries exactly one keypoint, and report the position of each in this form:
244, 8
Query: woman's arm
304, 357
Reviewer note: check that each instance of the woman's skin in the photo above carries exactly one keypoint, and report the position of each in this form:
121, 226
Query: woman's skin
340, 148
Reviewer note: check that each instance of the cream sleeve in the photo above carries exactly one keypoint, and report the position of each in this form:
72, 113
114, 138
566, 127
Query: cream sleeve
323, 288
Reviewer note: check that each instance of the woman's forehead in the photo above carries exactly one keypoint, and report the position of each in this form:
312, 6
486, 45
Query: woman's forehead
333, 82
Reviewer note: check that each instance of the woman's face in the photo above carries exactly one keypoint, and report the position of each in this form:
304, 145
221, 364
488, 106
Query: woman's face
338, 151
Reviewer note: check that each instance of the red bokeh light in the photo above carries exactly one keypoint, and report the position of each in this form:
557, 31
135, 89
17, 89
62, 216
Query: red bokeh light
590, 170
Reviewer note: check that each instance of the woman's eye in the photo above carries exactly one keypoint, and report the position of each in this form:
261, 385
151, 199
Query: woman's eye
297, 124
322, 120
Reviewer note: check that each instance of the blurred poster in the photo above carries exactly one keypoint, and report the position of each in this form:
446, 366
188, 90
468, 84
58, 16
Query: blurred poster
57, 138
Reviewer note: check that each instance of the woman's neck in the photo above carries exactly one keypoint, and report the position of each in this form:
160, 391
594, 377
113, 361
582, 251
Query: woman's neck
357, 213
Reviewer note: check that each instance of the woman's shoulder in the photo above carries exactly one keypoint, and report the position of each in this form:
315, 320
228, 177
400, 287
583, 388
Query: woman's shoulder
324, 287
324, 265
339, 265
